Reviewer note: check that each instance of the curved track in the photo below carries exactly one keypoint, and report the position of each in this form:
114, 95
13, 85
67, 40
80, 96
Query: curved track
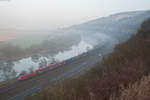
45, 79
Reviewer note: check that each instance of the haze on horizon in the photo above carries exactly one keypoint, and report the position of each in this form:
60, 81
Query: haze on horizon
53, 14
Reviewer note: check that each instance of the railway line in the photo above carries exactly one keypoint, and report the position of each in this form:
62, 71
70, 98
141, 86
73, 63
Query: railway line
45, 79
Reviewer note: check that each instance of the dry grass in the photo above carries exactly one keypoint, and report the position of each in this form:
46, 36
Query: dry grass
138, 91
115, 75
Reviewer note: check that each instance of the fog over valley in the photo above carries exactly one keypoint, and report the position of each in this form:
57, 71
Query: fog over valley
27, 52
35, 34
74, 49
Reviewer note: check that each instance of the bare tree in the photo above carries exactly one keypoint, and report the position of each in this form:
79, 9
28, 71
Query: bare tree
43, 63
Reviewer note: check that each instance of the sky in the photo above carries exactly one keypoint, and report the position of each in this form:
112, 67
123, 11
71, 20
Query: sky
53, 14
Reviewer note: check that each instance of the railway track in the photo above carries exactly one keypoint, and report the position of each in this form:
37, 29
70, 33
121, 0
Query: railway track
45, 79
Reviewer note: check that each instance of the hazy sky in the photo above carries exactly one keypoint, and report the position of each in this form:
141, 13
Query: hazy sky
50, 14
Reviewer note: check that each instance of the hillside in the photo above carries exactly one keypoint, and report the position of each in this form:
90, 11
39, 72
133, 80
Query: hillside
121, 75
107, 31
115, 28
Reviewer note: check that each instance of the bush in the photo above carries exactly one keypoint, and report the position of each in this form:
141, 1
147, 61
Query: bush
125, 66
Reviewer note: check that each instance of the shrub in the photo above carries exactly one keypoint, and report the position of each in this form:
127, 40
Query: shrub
126, 65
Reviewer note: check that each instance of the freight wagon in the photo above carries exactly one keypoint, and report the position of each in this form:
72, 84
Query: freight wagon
68, 61
50, 67
41, 70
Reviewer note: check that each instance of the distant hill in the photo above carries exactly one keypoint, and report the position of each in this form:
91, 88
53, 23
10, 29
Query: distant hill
117, 27
108, 30
124, 74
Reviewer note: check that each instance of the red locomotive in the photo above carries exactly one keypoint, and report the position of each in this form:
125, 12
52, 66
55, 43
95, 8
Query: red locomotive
23, 77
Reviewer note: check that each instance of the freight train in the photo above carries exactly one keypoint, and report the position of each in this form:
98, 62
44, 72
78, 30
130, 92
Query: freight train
41, 70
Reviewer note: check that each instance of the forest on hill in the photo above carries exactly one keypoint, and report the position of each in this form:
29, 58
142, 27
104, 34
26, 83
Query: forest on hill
121, 75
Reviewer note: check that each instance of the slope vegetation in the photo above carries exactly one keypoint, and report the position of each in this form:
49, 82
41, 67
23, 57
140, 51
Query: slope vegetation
119, 76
